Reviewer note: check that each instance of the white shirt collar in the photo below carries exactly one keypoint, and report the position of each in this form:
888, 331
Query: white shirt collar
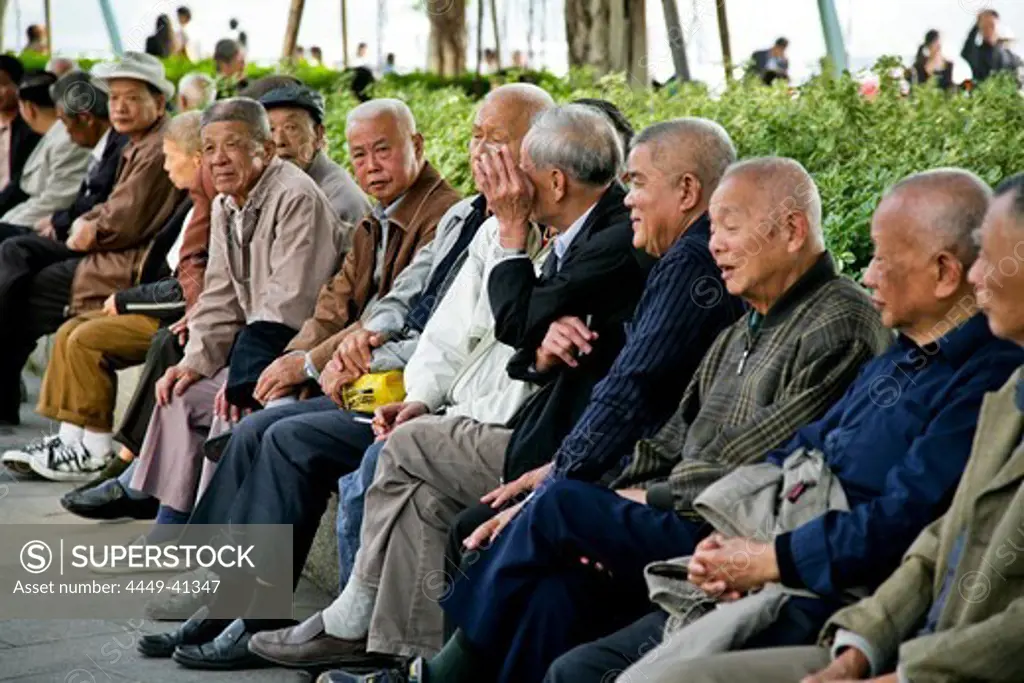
564, 240
101, 144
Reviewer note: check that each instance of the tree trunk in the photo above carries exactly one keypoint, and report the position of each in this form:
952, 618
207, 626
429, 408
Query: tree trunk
529, 36
291, 34
49, 27
3, 15
676, 40
344, 34
479, 36
497, 33
447, 36
723, 35
608, 36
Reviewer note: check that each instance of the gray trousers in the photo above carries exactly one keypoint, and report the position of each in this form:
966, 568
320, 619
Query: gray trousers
171, 463
774, 665
430, 470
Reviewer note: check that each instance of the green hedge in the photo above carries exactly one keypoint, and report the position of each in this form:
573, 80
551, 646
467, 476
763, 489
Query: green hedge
854, 148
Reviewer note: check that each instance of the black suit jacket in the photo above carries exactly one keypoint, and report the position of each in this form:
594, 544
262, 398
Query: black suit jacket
23, 141
602, 277
95, 187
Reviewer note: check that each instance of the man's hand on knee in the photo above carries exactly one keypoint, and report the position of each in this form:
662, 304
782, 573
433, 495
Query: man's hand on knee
386, 418
176, 380
281, 377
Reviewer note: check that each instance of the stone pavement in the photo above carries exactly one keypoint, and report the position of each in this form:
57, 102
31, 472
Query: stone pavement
92, 651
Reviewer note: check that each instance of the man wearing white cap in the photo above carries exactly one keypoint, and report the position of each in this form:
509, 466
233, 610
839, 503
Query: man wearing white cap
43, 282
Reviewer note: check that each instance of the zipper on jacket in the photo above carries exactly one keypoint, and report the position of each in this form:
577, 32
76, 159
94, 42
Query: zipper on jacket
752, 332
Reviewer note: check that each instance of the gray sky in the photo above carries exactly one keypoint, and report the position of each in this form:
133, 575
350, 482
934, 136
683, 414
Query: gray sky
872, 28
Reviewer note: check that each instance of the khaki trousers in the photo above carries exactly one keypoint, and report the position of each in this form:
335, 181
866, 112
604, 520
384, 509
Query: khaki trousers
80, 385
430, 470
774, 665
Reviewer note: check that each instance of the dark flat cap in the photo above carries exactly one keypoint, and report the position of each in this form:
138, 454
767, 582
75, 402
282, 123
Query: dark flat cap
11, 65
295, 95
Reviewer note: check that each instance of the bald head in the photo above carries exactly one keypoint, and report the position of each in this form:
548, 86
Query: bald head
503, 119
945, 206
783, 186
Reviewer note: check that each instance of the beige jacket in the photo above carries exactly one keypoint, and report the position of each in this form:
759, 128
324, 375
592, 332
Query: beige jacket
291, 244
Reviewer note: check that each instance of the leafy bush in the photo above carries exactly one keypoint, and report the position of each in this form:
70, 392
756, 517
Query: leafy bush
854, 147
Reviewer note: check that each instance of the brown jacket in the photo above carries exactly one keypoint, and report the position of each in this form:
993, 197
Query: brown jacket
342, 300
142, 200
291, 242
195, 245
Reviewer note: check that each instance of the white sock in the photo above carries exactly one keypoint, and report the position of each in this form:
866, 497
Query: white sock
99, 444
348, 617
70, 434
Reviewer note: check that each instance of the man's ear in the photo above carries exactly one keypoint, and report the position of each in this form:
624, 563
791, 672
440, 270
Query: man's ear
559, 184
949, 276
689, 191
417, 141
798, 230
320, 136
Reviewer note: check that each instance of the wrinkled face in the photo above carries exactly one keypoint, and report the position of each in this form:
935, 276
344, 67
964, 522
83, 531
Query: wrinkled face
998, 274
654, 203
385, 159
493, 126
235, 162
900, 274
8, 92
746, 241
295, 135
133, 108
181, 167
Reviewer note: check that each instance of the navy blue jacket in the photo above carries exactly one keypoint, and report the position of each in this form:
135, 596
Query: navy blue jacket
898, 440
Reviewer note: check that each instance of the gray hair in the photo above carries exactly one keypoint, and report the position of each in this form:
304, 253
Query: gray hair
951, 206
250, 112
787, 186
690, 145
199, 88
578, 140
1014, 187
79, 93
396, 109
184, 131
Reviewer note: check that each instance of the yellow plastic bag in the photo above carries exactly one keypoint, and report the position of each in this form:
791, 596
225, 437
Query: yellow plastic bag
373, 390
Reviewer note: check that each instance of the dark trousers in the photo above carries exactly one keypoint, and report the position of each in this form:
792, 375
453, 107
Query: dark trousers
456, 560
530, 598
36, 274
799, 623
281, 466
164, 351
7, 231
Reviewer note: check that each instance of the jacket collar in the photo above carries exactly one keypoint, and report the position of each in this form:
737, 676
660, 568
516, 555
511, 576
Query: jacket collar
411, 202
153, 135
957, 345
600, 214
820, 274
258, 194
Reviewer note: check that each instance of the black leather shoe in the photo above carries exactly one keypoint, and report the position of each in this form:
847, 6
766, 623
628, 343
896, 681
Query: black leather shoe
229, 651
108, 502
114, 468
198, 629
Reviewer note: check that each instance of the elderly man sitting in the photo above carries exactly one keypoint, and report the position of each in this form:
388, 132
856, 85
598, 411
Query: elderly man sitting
951, 611
42, 281
51, 175
528, 599
274, 239
297, 124
566, 178
894, 446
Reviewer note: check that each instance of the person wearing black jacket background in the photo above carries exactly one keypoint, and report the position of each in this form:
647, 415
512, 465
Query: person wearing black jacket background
991, 55
17, 140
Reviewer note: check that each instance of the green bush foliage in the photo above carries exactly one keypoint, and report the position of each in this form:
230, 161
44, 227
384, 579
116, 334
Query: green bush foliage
854, 147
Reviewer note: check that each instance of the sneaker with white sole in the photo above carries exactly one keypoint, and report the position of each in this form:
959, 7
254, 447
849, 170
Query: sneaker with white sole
63, 462
19, 459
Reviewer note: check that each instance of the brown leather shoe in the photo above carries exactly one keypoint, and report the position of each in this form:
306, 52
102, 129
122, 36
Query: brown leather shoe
308, 646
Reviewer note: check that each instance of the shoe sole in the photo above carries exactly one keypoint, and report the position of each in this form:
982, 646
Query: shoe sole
18, 466
249, 662
72, 477
154, 653
364, 663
